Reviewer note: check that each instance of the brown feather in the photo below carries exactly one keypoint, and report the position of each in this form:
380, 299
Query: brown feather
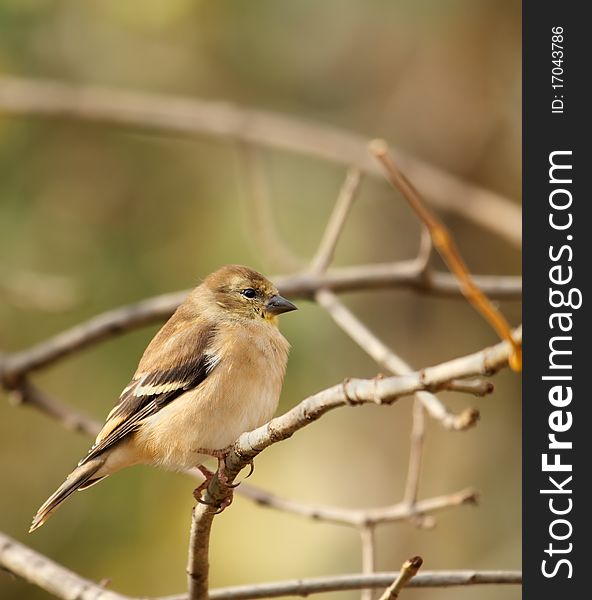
78, 479
150, 390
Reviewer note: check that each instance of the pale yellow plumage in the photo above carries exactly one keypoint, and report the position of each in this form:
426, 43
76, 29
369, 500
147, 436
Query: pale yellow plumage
214, 371
241, 393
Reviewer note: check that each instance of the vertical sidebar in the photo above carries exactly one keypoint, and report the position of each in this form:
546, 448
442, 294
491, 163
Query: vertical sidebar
557, 168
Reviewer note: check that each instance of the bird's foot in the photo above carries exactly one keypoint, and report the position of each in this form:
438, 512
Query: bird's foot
203, 486
223, 478
219, 506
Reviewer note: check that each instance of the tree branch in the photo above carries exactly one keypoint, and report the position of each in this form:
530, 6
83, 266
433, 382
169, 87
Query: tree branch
368, 541
359, 517
406, 574
63, 583
386, 358
347, 195
48, 575
198, 565
416, 446
446, 246
303, 285
192, 117
318, 585
364, 391
30, 395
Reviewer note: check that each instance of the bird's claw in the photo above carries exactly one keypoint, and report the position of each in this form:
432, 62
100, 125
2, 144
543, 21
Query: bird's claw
222, 477
225, 504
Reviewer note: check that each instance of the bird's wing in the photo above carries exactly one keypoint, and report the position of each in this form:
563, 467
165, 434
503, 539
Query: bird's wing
173, 363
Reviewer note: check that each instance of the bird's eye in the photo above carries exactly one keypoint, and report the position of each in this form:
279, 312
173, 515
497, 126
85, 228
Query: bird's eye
249, 293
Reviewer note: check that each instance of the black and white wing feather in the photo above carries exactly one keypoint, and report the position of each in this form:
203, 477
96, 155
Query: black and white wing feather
174, 363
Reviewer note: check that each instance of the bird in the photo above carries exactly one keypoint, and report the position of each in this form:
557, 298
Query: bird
214, 371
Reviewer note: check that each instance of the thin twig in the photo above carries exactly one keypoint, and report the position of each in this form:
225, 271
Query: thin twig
30, 395
336, 223
386, 358
48, 575
102, 327
303, 285
198, 567
358, 517
408, 572
63, 583
425, 251
416, 447
318, 585
446, 246
193, 117
380, 391
368, 541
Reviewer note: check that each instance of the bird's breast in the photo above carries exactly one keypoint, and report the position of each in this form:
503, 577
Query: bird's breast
240, 394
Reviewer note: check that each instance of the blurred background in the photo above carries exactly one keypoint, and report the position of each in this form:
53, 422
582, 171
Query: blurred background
94, 217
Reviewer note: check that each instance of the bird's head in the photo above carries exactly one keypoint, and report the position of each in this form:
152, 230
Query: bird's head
244, 293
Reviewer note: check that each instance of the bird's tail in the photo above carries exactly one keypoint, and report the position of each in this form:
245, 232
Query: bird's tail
81, 478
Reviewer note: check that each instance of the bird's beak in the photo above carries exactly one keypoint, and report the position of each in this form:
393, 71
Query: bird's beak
277, 305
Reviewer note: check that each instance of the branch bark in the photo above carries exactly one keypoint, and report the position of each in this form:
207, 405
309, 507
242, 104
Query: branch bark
386, 358
368, 542
48, 575
63, 583
358, 517
28, 394
347, 195
303, 285
318, 585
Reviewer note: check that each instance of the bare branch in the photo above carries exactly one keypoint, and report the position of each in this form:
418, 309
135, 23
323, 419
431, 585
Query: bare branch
425, 251
48, 575
345, 200
63, 583
368, 541
304, 285
408, 572
385, 357
192, 117
198, 566
363, 391
358, 517
337, 583
415, 455
102, 327
28, 394
446, 246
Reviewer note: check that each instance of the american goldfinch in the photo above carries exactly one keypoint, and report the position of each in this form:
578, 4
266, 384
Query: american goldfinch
214, 371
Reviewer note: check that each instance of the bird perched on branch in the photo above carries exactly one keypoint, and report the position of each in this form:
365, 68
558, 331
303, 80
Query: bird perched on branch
214, 371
